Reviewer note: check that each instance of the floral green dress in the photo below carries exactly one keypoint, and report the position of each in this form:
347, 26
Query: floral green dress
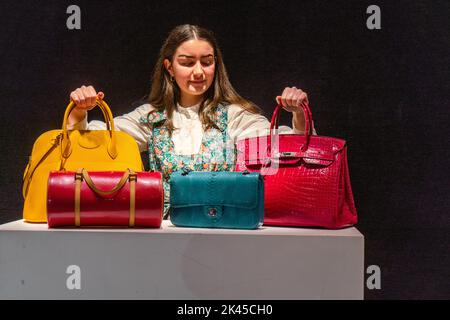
217, 151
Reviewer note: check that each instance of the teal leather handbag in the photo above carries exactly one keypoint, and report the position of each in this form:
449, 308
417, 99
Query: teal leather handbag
220, 199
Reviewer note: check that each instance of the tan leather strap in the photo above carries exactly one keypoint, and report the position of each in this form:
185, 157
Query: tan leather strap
29, 170
132, 178
82, 174
91, 184
78, 180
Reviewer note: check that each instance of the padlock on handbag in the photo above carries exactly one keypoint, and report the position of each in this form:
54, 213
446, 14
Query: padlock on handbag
108, 198
233, 200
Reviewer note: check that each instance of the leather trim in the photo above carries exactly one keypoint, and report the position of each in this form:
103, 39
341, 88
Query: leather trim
132, 178
100, 192
32, 167
78, 180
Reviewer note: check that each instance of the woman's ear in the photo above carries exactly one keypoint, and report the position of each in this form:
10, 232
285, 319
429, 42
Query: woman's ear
168, 66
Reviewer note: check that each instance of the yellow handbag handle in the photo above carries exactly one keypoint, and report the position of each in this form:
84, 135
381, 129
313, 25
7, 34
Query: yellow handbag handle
29, 170
66, 147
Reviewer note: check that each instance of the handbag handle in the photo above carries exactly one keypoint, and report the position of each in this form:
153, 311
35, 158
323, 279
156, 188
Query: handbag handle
82, 174
66, 147
308, 125
273, 143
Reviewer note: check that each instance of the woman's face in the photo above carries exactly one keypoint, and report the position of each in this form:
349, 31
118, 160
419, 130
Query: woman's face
193, 67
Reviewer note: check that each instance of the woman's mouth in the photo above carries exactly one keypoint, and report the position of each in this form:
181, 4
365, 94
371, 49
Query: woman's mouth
198, 85
197, 82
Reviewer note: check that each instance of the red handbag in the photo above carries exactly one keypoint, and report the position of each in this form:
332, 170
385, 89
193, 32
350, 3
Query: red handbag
307, 181
111, 198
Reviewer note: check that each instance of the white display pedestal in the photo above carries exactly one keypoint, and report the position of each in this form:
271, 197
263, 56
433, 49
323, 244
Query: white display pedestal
270, 263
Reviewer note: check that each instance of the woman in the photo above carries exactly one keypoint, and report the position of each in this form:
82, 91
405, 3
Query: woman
193, 116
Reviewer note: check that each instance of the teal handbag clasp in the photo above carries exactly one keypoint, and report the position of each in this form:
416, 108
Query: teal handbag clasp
213, 212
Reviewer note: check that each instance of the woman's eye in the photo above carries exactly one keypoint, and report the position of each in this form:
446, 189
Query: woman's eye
207, 62
191, 63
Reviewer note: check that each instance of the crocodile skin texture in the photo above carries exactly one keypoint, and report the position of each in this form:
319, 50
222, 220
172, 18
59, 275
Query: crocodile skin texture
110, 210
304, 188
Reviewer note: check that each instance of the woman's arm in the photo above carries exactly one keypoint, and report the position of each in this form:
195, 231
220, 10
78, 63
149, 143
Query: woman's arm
298, 121
244, 124
84, 98
291, 100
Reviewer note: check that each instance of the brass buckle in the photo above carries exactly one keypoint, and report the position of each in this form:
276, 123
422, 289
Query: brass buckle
79, 176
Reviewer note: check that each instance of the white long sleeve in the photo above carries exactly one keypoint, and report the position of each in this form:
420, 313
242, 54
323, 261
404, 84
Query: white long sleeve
129, 123
243, 124
188, 136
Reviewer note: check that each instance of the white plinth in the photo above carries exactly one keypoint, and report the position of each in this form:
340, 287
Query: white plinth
181, 263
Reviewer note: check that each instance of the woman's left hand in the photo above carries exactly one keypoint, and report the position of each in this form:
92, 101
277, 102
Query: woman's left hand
292, 98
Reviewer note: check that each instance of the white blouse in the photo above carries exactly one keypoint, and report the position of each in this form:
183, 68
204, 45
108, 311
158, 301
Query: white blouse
187, 136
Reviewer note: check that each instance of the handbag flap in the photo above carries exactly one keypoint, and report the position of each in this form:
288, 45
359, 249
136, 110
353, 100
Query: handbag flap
231, 189
321, 150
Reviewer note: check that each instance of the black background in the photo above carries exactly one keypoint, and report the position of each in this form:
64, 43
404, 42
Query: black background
385, 91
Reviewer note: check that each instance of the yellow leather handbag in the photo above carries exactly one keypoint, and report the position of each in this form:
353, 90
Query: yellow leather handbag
96, 150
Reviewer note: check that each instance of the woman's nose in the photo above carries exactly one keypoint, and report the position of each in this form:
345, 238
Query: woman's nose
198, 70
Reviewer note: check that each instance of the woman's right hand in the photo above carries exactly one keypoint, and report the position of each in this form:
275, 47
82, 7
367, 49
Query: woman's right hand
84, 99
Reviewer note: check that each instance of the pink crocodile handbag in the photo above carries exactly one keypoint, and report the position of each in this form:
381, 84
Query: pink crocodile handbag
307, 181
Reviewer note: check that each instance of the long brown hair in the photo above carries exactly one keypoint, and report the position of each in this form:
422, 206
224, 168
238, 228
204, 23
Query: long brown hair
164, 93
